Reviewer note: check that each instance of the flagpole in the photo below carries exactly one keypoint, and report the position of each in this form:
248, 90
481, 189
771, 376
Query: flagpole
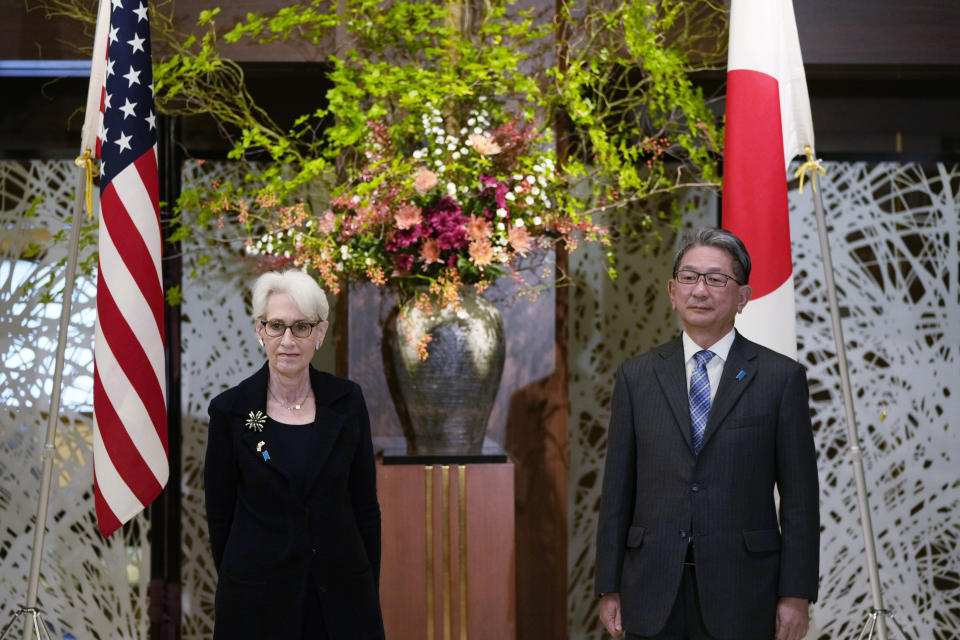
876, 618
49, 450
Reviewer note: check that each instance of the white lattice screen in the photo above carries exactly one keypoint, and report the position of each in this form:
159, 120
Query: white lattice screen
895, 237
895, 233
90, 587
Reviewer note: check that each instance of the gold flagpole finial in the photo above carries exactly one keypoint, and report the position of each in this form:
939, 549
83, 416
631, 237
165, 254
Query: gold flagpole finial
811, 165
85, 162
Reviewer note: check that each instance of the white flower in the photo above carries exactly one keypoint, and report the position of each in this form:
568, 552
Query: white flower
509, 196
528, 179
535, 191
368, 261
537, 220
355, 199
528, 200
501, 212
452, 188
518, 222
456, 155
501, 226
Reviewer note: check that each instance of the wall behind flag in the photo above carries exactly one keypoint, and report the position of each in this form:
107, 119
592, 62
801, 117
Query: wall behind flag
91, 587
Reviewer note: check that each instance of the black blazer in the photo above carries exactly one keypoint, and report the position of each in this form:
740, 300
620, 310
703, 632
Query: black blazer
268, 542
657, 493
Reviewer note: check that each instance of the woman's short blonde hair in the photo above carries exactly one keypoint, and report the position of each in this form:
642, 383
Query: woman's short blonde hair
302, 289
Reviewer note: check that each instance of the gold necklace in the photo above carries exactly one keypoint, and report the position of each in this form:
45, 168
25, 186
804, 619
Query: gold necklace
289, 407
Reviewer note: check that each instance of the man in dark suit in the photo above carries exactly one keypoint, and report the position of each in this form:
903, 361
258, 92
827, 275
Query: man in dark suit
703, 428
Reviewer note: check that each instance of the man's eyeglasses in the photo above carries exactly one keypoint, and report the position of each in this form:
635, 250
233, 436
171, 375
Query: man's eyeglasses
713, 279
299, 329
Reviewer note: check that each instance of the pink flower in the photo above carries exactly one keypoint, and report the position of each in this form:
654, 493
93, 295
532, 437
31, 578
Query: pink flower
424, 181
481, 252
484, 145
478, 228
407, 216
403, 261
520, 240
328, 222
448, 223
430, 252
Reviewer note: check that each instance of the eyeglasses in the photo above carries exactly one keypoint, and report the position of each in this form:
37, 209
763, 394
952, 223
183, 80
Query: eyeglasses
299, 329
713, 279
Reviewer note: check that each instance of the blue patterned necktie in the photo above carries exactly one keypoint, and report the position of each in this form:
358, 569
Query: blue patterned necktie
699, 398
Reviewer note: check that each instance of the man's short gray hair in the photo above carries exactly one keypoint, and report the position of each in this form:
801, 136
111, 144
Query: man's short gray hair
721, 239
300, 286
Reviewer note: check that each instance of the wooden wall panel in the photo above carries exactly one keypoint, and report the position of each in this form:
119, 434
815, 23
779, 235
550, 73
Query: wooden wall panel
448, 551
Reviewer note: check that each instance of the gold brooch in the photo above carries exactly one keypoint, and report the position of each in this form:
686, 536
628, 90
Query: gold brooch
256, 420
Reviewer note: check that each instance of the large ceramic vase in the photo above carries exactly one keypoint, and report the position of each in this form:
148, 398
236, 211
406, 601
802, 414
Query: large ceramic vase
444, 401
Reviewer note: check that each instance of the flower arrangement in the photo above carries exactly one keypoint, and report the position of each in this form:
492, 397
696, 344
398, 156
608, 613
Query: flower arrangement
458, 202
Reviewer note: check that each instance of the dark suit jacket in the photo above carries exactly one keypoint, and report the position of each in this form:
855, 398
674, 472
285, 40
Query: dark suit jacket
268, 542
657, 493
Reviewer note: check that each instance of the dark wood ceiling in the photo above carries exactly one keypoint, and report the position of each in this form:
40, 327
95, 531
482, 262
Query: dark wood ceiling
883, 76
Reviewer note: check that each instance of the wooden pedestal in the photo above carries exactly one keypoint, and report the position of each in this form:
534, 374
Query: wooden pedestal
448, 551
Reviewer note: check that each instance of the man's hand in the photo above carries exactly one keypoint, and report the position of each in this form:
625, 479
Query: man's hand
793, 616
610, 614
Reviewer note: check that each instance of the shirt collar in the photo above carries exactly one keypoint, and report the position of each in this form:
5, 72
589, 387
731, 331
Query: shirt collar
720, 348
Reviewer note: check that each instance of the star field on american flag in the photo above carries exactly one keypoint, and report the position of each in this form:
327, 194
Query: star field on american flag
129, 127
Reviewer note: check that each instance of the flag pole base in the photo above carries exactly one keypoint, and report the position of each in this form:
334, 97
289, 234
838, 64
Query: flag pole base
874, 623
34, 619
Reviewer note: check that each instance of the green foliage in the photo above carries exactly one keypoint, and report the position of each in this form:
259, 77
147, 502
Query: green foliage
613, 77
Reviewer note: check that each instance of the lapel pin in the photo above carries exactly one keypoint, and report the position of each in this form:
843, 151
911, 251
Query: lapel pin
741, 374
262, 451
255, 421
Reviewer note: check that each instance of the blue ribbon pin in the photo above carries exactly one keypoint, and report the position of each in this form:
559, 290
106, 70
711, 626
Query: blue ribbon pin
262, 451
741, 374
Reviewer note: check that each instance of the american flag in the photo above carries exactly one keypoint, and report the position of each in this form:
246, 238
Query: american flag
129, 395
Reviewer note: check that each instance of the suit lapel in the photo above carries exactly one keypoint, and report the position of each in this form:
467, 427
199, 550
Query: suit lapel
738, 372
672, 378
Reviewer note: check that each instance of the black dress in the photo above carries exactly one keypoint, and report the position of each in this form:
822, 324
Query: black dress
290, 444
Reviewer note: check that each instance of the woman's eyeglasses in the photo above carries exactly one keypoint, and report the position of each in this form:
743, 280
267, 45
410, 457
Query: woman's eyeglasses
299, 329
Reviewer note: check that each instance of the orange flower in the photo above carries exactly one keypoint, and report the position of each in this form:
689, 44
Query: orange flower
408, 215
520, 240
424, 180
481, 252
484, 145
478, 228
430, 252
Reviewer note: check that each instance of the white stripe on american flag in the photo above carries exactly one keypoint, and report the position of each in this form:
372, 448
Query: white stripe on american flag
132, 304
136, 199
114, 490
131, 409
